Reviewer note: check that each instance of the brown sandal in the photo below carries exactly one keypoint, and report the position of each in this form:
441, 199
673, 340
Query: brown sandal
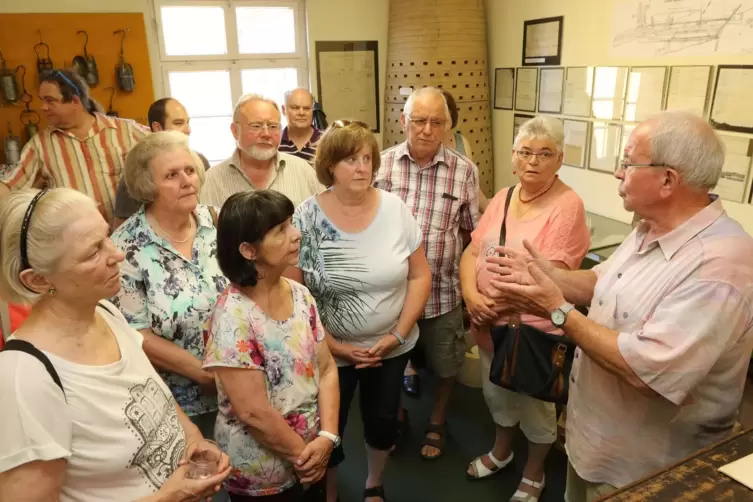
439, 444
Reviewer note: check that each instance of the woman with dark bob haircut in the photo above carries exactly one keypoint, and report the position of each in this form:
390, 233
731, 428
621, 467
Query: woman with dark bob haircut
277, 382
362, 257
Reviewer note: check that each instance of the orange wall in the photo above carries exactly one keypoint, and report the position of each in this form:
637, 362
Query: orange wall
18, 34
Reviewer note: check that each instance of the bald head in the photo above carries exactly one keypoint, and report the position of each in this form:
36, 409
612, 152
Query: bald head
299, 110
685, 142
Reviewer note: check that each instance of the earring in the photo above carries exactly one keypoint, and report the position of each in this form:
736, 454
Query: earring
514, 171
52, 291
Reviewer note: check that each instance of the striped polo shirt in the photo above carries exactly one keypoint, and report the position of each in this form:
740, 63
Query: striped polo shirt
307, 153
93, 165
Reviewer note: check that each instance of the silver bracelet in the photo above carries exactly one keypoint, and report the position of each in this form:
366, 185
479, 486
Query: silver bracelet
399, 337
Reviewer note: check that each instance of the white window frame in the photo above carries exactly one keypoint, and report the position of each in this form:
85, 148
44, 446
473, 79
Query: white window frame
233, 60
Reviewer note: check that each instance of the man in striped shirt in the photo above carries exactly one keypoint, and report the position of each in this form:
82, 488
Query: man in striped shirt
81, 148
256, 163
441, 188
300, 136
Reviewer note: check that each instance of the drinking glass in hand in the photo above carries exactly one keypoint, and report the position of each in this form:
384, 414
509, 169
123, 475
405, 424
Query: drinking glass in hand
204, 459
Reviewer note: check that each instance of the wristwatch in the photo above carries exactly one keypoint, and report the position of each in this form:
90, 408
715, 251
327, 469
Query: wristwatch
559, 315
399, 337
332, 437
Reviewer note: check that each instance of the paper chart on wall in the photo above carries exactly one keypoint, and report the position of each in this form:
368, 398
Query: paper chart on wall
550, 90
542, 40
609, 92
605, 147
736, 171
576, 142
578, 90
349, 90
525, 89
732, 107
647, 28
645, 93
688, 88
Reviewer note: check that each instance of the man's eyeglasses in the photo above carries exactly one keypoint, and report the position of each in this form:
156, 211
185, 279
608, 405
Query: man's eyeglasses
271, 127
625, 164
527, 155
420, 123
345, 123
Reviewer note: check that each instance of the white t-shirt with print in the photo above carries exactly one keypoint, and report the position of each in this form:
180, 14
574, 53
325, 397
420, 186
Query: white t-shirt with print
119, 429
359, 280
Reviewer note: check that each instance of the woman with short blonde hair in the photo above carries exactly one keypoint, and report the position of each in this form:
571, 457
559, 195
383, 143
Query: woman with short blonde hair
170, 277
86, 418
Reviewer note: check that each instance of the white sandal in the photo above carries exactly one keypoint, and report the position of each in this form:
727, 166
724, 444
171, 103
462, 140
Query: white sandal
521, 496
481, 471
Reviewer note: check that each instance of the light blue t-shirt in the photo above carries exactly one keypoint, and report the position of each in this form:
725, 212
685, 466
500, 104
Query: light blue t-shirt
359, 280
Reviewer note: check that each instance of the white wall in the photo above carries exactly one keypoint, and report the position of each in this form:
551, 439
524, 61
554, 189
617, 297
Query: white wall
586, 39
332, 20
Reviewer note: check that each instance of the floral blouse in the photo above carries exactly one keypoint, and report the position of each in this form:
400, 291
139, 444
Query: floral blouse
242, 336
163, 291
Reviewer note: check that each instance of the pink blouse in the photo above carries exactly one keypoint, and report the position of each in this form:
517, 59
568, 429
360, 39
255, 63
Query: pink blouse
559, 232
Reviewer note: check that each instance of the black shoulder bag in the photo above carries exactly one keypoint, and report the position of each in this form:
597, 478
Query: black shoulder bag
527, 360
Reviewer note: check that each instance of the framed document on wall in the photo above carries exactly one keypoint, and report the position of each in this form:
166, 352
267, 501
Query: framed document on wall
526, 84
542, 41
504, 88
576, 142
732, 107
551, 90
688, 89
605, 147
579, 84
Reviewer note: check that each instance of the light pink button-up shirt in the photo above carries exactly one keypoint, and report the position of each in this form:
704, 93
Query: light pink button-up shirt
683, 308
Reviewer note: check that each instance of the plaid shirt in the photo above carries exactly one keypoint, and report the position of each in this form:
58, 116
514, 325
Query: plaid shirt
443, 197
94, 165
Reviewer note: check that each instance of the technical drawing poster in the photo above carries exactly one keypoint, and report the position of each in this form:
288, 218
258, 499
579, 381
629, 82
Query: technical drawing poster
644, 28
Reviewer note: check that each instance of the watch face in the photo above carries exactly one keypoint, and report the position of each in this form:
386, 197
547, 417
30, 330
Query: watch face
558, 318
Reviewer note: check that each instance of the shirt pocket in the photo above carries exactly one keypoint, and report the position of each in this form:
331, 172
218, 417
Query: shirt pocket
445, 212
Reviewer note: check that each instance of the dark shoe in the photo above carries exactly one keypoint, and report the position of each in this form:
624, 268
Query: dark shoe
439, 443
376, 491
412, 385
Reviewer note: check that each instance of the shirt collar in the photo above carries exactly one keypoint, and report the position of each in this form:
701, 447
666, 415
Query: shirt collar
235, 162
439, 157
100, 122
285, 139
671, 242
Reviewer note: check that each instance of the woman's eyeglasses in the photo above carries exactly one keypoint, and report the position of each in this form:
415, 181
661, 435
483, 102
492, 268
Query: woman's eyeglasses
528, 155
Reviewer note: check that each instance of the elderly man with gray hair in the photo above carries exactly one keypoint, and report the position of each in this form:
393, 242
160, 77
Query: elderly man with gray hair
300, 137
440, 186
662, 356
256, 163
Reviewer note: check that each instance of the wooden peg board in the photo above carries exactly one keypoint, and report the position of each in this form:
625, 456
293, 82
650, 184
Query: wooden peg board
18, 36
441, 43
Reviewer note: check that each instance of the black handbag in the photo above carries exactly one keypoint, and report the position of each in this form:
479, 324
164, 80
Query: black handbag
527, 360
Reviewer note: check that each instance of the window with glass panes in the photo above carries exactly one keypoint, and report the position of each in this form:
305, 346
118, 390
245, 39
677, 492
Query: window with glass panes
212, 52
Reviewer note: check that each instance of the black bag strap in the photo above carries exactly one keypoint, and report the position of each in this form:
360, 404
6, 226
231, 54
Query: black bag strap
503, 230
28, 348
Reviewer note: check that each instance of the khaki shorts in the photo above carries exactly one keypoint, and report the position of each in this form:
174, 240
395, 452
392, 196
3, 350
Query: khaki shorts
441, 339
537, 419
578, 489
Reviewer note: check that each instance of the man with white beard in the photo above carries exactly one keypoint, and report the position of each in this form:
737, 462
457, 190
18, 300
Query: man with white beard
256, 164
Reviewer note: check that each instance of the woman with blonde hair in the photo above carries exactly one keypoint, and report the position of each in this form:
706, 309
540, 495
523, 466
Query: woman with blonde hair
362, 258
546, 212
170, 277
85, 416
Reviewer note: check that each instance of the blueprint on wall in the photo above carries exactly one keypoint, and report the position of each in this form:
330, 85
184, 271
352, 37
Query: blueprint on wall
682, 27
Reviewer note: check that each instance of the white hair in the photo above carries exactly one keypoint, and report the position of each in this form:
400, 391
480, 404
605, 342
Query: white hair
688, 144
137, 172
425, 92
52, 215
542, 127
247, 98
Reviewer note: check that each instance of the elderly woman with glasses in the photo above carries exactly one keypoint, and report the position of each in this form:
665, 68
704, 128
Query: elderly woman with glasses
362, 258
86, 418
170, 277
549, 214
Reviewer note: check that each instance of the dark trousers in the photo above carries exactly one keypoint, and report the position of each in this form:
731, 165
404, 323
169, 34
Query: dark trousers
379, 401
315, 493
